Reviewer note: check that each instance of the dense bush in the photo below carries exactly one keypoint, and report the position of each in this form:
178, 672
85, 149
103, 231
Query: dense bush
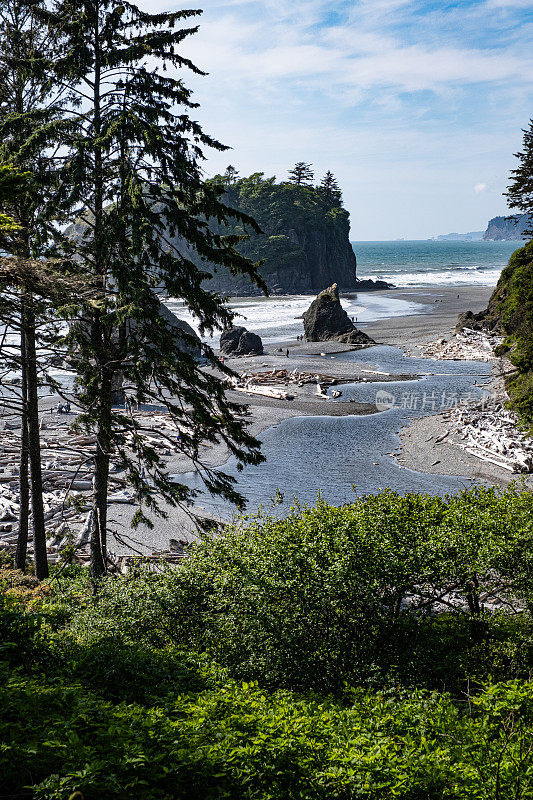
511, 310
241, 742
137, 691
335, 595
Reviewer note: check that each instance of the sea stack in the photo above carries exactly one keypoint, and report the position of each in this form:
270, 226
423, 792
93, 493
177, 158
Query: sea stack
326, 320
237, 341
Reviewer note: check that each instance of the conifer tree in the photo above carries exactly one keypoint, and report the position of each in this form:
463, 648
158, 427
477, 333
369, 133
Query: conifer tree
231, 175
330, 189
301, 174
30, 121
134, 161
520, 190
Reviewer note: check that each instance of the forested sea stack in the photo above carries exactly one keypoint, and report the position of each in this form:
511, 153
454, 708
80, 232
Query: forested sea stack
305, 239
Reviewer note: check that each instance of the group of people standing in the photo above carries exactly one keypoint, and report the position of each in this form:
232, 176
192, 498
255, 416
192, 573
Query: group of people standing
63, 408
131, 405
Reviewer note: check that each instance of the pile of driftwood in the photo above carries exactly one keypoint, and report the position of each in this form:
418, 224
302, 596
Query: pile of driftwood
490, 433
67, 481
268, 384
469, 345
157, 561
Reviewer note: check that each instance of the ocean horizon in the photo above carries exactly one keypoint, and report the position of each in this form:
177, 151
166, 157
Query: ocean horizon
406, 264
422, 263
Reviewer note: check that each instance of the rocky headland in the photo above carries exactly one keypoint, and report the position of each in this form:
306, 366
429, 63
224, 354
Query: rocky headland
508, 229
303, 246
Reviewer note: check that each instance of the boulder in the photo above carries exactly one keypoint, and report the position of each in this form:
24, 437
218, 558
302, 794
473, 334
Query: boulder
469, 320
369, 285
326, 320
237, 341
185, 337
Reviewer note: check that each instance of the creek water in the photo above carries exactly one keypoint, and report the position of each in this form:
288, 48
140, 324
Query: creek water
343, 457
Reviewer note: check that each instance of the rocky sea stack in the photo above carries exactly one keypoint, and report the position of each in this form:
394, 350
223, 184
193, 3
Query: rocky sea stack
237, 341
326, 320
304, 244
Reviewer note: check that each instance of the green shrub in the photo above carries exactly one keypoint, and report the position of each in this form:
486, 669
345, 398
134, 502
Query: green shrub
130, 693
334, 595
511, 308
241, 742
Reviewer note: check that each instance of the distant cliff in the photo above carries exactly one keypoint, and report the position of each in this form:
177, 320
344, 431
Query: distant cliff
503, 229
471, 236
305, 243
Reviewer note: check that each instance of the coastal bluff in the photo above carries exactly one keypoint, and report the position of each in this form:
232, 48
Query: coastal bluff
305, 239
505, 229
304, 244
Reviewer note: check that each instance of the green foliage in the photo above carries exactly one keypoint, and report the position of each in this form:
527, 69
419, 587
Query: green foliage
239, 741
288, 214
137, 690
301, 174
335, 595
520, 190
511, 307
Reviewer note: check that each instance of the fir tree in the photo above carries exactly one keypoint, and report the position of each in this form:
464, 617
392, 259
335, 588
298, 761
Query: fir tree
520, 190
330, 189
231, 175
301, 174
30, 121
134, 161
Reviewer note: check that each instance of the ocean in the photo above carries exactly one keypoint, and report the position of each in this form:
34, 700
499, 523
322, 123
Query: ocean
406, 264
433, 263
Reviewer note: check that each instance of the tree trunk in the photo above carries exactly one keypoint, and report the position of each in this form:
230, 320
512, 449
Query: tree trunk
98, 547
98, 542
24, 488
472, 596
34, 446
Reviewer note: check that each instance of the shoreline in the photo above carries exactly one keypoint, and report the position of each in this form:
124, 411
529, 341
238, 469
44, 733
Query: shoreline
441, 308
420, 451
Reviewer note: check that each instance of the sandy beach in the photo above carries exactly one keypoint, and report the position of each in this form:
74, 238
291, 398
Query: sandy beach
441, 307
421, 447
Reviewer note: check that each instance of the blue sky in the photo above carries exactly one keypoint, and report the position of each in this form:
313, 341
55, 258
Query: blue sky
417, 107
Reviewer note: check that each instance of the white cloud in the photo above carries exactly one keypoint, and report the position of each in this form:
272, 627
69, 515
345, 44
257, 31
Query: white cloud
349, 58
407, 110
508, 4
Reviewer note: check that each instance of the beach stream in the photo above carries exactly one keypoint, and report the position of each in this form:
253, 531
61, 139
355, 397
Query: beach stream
343, 457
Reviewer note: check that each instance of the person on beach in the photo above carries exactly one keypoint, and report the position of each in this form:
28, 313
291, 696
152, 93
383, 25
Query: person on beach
60, 408
67, 407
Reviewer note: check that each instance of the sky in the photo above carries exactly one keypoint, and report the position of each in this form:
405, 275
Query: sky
416, 107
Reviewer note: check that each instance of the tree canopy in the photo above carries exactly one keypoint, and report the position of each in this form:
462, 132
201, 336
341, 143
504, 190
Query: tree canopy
520, 191
301, 174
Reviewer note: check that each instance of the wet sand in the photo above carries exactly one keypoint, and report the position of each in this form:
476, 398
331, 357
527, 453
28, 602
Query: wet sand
442, 307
